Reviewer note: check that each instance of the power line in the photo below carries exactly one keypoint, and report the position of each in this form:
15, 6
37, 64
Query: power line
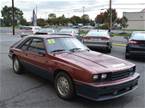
129, 4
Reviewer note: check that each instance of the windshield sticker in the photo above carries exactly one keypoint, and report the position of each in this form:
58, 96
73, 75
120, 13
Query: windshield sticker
51, 41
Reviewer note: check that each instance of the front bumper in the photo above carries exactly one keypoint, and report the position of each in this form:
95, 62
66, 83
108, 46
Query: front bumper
106, 92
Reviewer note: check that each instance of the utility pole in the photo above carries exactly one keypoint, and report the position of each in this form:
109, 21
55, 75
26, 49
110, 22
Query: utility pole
110, 12
83, 10
36, 14
83, 15
13, 17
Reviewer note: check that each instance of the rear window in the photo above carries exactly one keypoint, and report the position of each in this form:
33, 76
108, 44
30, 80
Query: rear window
46, 30
97, 33
138, 36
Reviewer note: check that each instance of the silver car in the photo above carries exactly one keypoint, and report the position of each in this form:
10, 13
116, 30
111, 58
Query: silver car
69, 31
98, 39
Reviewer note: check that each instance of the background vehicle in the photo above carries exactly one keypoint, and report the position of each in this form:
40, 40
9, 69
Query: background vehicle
136, 45
98, 39
29, 30
69, 31
74, 69
45, 31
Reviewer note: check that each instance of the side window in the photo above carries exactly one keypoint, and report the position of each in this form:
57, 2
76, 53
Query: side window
25, 45
37, 45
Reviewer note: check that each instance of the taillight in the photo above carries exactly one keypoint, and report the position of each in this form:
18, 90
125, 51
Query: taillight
132, 42
87, 38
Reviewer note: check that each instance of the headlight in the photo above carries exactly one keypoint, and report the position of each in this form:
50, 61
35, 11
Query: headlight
132, 70
100, 77
103, 76
95, 77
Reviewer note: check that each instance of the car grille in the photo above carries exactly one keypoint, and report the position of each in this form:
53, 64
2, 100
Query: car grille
121, 74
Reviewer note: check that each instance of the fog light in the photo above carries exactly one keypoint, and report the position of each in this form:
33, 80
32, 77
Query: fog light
103, 76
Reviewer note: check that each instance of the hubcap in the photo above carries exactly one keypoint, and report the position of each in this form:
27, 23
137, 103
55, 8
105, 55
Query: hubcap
16, 65
63, 86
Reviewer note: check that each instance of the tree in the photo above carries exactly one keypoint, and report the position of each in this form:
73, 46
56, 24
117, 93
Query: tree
24, 22
51, 16
85, 19
123, 22
6, 13
41, 22
100, 18
75, 20
104, 17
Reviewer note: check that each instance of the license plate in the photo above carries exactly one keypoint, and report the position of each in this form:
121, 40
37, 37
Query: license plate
92, 40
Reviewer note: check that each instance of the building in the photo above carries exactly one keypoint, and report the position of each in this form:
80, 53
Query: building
136, 20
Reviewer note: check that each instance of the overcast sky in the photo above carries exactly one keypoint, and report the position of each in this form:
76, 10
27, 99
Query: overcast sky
73, 7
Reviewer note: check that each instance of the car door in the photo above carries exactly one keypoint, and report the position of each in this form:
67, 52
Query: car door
37, 57
22, 51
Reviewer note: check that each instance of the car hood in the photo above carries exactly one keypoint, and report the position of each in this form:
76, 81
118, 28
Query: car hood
95, 62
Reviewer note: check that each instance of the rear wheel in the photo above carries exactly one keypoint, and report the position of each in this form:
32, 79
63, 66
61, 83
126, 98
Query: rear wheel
17, 67
127, 55
64, 86
108, 50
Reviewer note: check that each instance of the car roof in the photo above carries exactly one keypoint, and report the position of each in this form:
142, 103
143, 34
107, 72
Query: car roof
98, 30
49, 36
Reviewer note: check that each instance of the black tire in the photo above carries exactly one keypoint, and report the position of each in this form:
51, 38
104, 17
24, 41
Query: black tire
108, 50
127, 56
17, 67
70, 93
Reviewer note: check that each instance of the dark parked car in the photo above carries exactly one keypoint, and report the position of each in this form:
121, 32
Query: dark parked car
98, 39
74, 69
136, 45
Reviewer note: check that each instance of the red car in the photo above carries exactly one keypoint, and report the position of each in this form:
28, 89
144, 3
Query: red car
74, 69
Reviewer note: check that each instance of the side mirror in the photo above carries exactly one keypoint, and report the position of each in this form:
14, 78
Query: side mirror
23, 35
42, 53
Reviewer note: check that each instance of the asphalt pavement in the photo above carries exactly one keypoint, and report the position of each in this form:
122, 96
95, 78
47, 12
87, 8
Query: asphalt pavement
30, 91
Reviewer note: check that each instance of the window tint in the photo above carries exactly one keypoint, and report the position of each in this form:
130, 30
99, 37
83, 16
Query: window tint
37, 45
26, 44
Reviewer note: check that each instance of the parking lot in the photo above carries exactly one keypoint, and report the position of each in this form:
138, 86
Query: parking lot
30, 91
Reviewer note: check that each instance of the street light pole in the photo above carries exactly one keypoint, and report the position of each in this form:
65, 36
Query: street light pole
13, 17
110, 11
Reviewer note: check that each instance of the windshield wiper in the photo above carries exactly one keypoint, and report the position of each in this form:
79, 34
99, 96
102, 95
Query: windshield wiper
58, 50
75, 49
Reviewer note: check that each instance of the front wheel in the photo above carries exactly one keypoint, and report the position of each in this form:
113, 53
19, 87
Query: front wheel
64, 86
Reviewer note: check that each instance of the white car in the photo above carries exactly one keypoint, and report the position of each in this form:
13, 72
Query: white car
29, 30
69, 31
45, 31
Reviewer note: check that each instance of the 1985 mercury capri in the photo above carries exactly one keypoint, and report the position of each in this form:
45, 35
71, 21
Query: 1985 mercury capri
74, 69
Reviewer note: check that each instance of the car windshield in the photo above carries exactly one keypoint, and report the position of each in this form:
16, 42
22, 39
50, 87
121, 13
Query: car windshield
138, 36
64, 44
97, 33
